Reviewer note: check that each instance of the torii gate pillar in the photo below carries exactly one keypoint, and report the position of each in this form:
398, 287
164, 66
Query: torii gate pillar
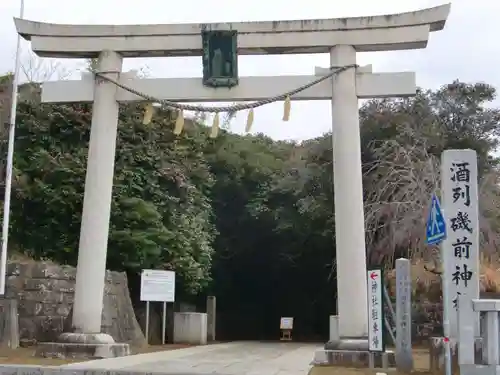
352, 307
97, 199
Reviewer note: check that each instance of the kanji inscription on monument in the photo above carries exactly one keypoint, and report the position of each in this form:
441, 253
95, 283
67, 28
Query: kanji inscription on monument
404, 360
460, 251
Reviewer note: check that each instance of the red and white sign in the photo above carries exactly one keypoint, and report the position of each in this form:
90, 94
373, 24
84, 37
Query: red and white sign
375, 311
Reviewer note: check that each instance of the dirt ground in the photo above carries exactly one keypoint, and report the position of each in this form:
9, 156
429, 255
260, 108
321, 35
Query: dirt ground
420, 362
26, 355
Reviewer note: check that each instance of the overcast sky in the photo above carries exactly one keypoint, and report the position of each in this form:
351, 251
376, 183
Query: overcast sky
466, 49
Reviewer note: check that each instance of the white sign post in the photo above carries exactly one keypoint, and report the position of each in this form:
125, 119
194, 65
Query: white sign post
286, 327
157, 286
404, 358
375, 311
460, 250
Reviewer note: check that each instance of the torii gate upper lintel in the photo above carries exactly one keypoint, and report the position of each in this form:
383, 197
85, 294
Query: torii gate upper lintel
342, 38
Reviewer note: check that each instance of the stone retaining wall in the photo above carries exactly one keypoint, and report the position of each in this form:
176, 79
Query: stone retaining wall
45, 293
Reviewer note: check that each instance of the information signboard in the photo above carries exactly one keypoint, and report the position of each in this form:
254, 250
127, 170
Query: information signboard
157, 286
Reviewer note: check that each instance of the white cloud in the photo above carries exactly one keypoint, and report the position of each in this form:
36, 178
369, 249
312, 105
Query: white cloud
462, 50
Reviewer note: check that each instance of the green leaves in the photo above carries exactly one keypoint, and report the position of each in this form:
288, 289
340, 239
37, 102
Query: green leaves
161, 212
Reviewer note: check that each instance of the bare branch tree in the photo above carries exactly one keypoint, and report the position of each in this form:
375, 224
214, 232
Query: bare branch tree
36, 69
399, 184
435, 270
91, 66
200, 116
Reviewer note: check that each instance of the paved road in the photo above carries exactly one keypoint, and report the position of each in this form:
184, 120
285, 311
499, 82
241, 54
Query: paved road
239, 358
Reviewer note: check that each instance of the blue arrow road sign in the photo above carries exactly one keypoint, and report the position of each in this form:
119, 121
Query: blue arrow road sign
436, 225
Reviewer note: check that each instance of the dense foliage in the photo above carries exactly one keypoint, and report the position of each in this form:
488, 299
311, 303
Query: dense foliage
245, 217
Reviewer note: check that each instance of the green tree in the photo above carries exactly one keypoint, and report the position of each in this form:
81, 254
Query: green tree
161, 213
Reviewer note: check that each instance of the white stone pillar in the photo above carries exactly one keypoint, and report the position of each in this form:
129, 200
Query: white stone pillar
348, 186
93, 246
211, 317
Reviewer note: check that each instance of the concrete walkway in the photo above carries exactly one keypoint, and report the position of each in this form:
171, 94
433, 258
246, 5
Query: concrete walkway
238, 358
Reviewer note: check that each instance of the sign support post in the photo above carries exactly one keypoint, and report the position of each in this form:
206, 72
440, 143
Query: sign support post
157, 286
147, 323
436, 233
164, 323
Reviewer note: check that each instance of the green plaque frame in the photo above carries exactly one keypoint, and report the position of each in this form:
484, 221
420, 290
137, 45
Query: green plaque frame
220, 58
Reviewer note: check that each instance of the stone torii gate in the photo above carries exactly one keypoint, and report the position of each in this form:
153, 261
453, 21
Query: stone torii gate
341, 38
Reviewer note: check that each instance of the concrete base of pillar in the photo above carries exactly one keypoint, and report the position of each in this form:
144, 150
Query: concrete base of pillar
334, 328
348, 343
82, 346
354, 358
190, 328
352, 352
437, 351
